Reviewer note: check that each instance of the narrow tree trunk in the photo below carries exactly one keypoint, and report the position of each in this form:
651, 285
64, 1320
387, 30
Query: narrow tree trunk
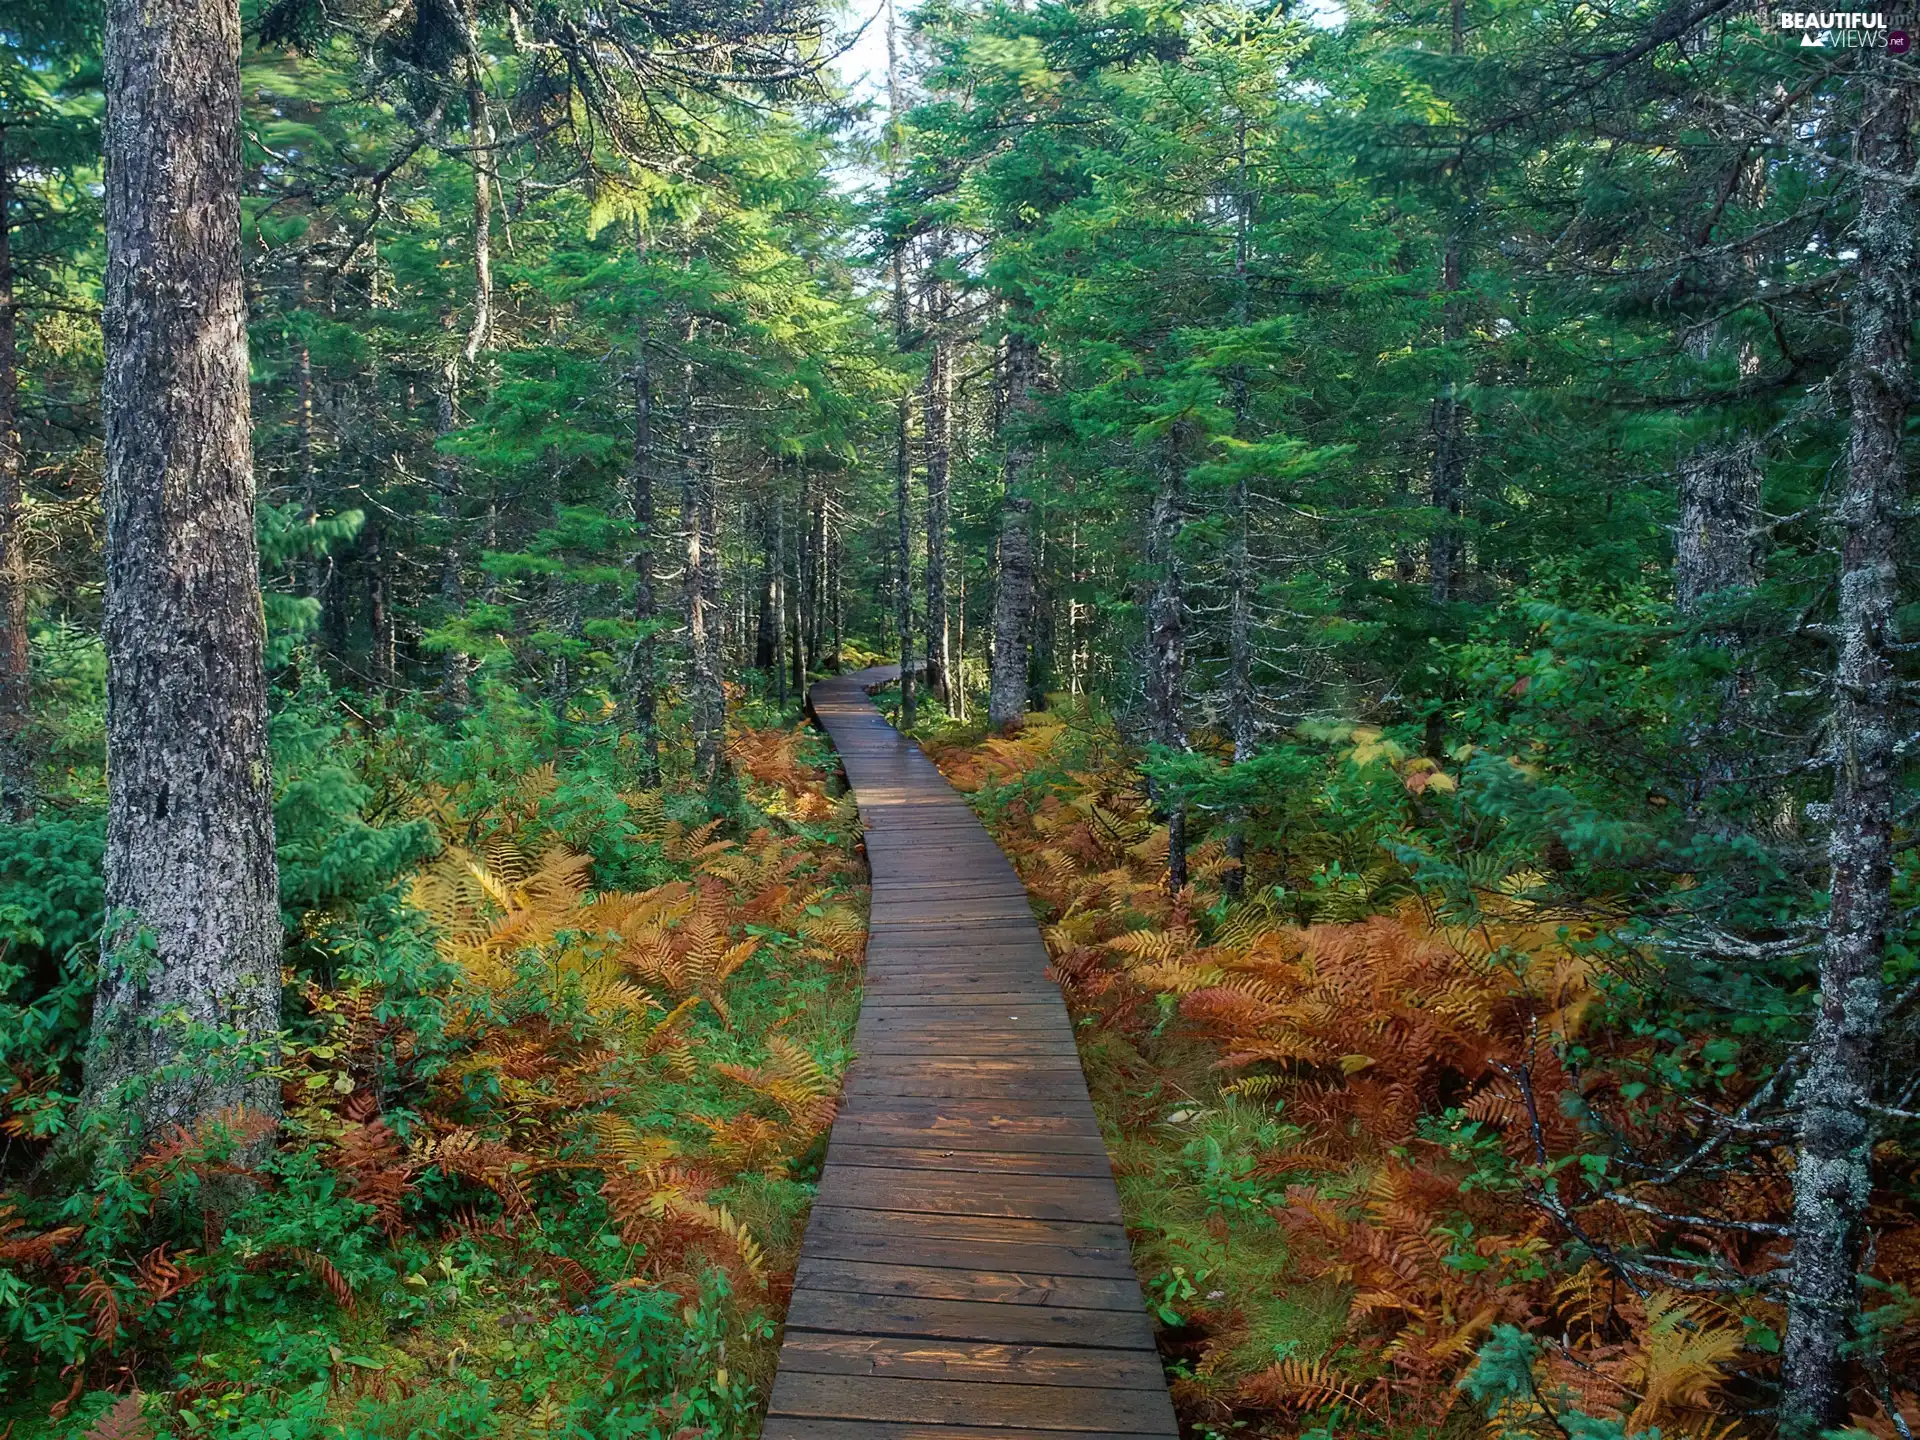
817, 608
1165, 647
1240, 576
457, 666
833, 596
1447, 490
936, 422
777, 659
705, 694
796, 641
1833, 1172
188, 1002
1714, 546
380, 660
903, 534
644, 666
902, 418
1013, 588
16, 791
957, 687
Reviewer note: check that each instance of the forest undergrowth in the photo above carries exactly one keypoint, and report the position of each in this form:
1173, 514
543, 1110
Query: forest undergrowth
562, 1057
1376, 1149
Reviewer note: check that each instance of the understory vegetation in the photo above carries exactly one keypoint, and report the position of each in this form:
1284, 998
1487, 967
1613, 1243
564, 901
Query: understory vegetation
1378, 1137
556, 1083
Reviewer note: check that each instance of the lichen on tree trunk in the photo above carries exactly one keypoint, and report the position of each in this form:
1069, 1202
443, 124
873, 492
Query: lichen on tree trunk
1833, 1171
189, 994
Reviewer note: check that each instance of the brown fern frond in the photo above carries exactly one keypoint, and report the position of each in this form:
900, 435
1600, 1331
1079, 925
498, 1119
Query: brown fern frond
122, 1422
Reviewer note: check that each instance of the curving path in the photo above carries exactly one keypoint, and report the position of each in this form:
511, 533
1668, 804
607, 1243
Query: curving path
965, 1273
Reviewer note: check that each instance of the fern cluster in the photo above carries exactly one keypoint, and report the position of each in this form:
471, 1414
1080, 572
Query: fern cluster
1422, 1105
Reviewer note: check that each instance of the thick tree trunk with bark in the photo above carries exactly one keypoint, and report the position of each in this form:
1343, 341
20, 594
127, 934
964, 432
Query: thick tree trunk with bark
16, 794
189, 993
644, 665
1833, 1171
1013, 583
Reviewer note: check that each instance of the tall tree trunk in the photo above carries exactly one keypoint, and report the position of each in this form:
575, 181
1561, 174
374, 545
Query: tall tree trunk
1833, 1171
936, 421
380, 660
188, 1002
1166, 647
957, 687
1013, 587
644, 665
817, 600
777, 659
456, 676
1447, 484
16, 791
456, 666
705, 694
902, 418
834, 608
1240, 576
317, 566
903, 527
796, 640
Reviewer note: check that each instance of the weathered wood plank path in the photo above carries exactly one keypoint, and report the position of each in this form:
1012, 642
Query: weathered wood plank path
965, 1272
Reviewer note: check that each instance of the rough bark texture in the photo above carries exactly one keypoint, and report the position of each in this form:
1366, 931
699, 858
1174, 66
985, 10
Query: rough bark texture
936, 422
1833, 1168
1013, 582
190, 972
643, 672
1715, 544
15, 788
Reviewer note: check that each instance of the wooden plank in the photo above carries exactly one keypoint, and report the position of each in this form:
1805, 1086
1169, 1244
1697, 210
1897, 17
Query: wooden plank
790, 1427
960, 1139
886, 1249
980, 1162
1001, 1117
963, 1087
945, 1402
1039, 1197
815, 1353
849, 1313
942, 1282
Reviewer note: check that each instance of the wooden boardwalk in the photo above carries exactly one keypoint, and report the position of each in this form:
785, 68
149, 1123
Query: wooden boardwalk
965, 1272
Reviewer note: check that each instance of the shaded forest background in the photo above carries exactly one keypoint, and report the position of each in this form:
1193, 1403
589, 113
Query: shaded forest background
1399, 517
